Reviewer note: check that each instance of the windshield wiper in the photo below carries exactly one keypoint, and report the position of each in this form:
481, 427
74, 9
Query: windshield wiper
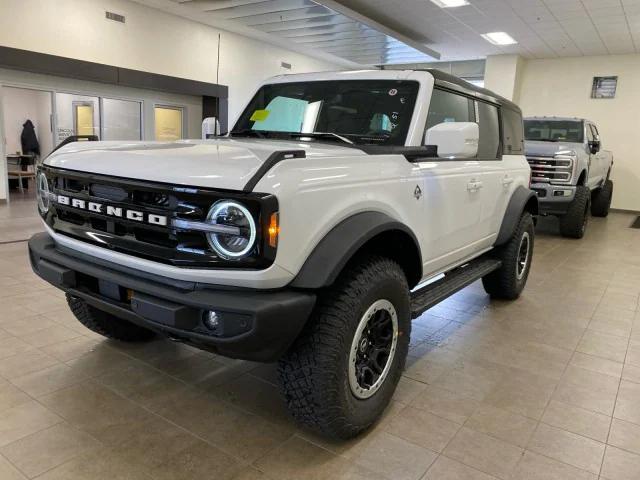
326, 135
246, 132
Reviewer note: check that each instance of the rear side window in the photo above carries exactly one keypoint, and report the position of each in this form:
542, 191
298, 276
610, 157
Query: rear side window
448, 107
489, 126
512, 132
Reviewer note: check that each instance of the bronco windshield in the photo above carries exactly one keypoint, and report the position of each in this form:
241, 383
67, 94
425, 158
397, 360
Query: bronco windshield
374, 112
554, 130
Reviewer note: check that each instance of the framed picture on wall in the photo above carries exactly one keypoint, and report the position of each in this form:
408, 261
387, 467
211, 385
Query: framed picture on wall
604, 87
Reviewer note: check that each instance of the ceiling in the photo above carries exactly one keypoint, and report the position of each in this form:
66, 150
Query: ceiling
308, 26
373, 32
543, 28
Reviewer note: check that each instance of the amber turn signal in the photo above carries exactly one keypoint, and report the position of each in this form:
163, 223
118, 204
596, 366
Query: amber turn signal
274, 230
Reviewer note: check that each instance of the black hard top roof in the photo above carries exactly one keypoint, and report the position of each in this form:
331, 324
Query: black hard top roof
452, 82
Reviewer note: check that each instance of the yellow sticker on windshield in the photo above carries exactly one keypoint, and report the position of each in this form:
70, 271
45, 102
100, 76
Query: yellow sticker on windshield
259, 115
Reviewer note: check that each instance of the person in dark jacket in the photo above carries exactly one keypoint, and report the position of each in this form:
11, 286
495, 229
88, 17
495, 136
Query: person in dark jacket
29, 139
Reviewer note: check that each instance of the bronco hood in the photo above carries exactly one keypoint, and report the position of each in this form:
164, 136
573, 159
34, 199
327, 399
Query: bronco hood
222, 163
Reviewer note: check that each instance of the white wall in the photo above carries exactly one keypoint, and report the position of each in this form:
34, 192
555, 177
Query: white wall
563, 87
150, 40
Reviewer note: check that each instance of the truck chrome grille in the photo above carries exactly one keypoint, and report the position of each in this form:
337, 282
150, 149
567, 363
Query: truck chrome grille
558, 169
158, 242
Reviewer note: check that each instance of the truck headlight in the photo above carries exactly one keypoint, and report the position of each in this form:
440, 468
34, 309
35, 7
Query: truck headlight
42, 193
231, 246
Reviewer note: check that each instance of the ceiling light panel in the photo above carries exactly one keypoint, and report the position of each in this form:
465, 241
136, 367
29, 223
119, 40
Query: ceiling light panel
499, 38
450, 3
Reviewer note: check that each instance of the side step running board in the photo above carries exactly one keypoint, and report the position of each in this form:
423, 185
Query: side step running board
452, 282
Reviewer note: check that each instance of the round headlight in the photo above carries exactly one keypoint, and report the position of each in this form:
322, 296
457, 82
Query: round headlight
42, 187
233, 214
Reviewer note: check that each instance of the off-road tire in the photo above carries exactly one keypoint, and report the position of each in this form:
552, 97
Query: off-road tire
509, 280
106, 324
573, 224
601, 200
314, 373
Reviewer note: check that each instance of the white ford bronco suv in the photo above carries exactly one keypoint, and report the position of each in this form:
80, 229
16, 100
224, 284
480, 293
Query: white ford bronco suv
339, 207
570, 170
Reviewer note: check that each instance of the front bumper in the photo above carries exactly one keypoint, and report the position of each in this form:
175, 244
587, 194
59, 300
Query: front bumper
253, 324
553, 199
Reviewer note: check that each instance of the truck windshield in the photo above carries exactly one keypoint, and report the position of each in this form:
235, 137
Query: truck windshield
374, 112
554, 130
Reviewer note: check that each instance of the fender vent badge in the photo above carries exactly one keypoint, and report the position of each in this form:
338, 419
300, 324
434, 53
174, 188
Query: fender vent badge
417, 192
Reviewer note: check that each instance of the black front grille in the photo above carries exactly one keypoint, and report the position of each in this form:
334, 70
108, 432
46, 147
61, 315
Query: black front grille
161, 243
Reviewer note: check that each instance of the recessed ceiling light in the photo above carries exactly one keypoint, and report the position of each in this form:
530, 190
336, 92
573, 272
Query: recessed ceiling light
450, 3
499, 38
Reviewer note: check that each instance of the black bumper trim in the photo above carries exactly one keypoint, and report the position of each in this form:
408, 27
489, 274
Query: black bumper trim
557, 207
273, 318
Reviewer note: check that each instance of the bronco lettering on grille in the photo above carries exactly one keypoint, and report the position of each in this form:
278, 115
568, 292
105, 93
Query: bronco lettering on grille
111, 211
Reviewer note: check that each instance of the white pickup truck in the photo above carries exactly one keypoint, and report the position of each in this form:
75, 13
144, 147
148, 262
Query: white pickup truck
570, 169
339, 207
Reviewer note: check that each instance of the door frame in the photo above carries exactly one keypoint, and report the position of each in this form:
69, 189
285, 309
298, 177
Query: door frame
52, 126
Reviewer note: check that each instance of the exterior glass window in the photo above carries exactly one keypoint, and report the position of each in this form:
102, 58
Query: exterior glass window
168, 123
489, 125
512, 132
121, 119
554, 131
367, 112
449, 107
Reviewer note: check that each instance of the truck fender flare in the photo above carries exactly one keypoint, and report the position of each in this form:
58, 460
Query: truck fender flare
521, 200
332, 253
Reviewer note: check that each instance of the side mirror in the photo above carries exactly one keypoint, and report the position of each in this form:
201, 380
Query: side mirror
210, 127
454, 139
594, 146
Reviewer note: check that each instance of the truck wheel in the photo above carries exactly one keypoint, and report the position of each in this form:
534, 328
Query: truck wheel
342, 370
106, 324
573, 224
509, 280
601, 201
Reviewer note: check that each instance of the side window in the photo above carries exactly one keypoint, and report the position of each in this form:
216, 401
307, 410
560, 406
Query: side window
449, 107
596, 134
590, 135
489, 125
512, 132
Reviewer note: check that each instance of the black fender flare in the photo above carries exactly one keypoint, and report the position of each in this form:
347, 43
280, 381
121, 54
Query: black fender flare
332, 253
517, 205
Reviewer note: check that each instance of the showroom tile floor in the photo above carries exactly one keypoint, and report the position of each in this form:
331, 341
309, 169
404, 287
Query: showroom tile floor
547, 387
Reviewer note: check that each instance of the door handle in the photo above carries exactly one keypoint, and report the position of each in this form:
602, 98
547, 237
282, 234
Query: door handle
474, 186
506, 181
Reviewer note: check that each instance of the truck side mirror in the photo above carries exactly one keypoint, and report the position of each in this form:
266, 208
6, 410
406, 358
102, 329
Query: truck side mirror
210, 127
594, 146
454, 139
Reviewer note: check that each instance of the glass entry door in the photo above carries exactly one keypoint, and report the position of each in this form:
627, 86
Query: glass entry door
76, 115
83, 118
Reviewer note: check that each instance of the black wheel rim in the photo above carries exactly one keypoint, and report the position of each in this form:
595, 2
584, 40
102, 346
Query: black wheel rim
373, 349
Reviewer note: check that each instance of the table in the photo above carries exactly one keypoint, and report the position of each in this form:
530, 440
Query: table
21, 167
